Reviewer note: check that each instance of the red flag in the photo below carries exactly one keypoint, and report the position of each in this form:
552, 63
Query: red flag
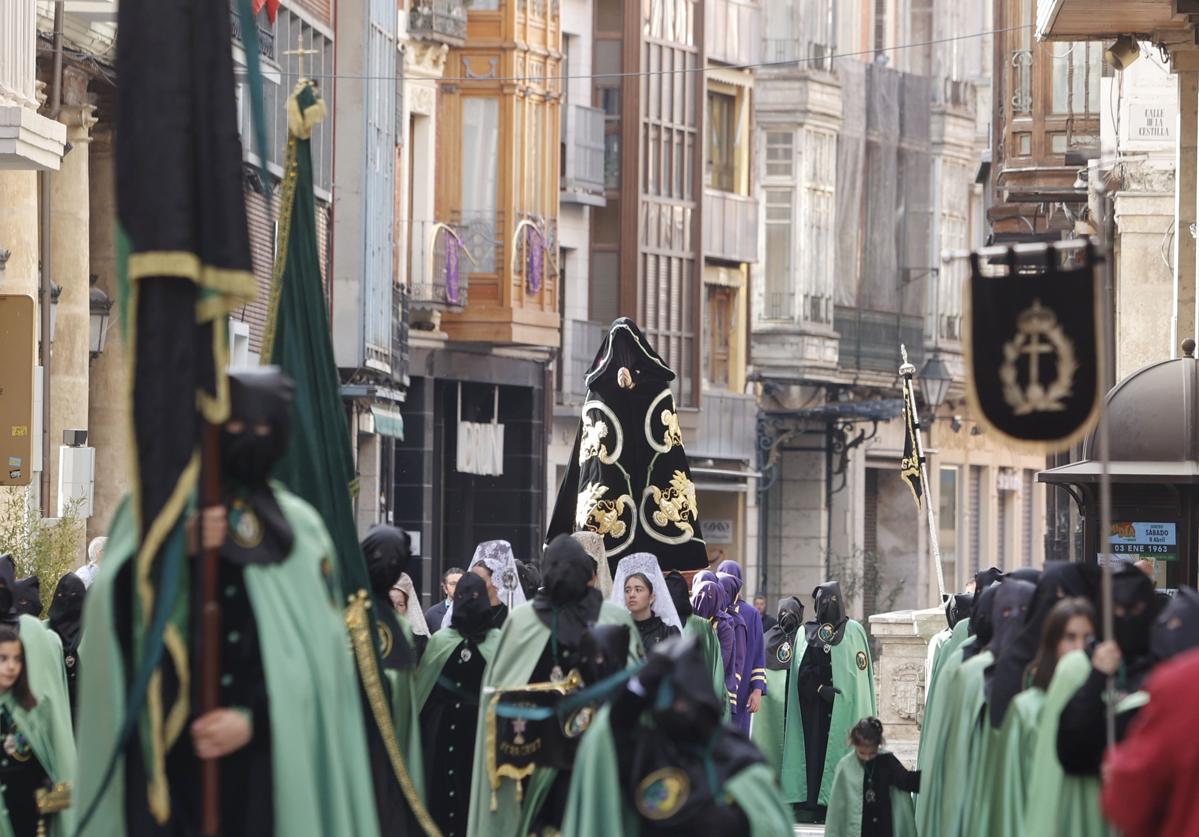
256, 6
272, 8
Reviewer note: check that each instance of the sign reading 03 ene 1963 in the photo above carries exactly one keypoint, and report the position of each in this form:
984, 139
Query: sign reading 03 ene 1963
1134, 540
1032, 353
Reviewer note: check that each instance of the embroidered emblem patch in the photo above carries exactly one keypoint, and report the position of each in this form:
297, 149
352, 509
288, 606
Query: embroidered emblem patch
783, 655
826, 632
245, 526
861, 660
386, 640
662, 793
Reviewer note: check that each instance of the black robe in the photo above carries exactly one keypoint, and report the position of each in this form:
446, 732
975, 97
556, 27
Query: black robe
816, 713
653, 630
880, 774
21, 775
448, 724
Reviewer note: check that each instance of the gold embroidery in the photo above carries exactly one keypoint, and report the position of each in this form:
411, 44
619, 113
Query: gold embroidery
676, 504
591, 437
673, 434
598, 515
1032, 325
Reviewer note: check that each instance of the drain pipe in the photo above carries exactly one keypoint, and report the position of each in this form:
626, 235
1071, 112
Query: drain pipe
55, 103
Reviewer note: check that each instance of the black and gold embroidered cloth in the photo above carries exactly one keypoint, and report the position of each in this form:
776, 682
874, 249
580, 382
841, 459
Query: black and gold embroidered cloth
628, 478
1033, 354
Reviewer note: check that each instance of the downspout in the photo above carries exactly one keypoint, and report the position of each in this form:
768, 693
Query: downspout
45, 259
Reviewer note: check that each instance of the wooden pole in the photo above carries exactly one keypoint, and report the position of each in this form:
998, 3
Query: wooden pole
210, 639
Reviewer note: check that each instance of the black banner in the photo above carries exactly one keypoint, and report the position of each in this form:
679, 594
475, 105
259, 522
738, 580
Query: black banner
1033, 353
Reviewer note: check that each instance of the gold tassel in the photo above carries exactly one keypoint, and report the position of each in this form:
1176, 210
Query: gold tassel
495, 804
520, 793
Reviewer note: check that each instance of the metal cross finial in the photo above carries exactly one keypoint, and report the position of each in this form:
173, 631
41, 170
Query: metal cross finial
301, 52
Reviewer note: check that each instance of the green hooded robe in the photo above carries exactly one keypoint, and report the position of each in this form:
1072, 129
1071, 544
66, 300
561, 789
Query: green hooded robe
520, 645
959, 758
1060, 805
321, 777
768, 728
47, 727
853, 674
405, 714
596, 806
702, 629
937, 717
1010, 764
845, 803
437, 654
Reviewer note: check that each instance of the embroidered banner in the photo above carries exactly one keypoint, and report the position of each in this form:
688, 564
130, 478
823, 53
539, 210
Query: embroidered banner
1033, 353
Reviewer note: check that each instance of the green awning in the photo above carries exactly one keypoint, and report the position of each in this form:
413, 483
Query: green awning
388, 421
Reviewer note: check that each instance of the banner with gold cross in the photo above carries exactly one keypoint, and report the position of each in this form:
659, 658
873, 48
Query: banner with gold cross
1032, 352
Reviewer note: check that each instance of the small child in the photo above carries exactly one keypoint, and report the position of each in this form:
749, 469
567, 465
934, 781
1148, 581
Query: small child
21, 772
871, 793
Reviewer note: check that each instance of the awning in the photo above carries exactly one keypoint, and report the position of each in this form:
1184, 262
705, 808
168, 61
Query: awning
388, 421
1088, 471
1087, 20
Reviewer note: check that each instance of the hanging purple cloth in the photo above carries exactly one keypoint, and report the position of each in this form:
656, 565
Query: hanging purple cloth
452, 293
534, 255
731, 585
754, 675
706, 601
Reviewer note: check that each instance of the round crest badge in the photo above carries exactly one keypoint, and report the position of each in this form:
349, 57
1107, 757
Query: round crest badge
386, 640
245, 526
861, 660
826, 632
783, 655
662, 793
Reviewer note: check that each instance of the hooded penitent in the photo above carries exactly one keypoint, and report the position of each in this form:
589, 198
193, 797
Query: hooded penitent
628, 479
66, 620
1176, 629
1059, 579
958, 608
770, 722
566, 603
780, 640
28, 592
472, 608
530, 578
753, 667
8, 598
679, 594
833, 687
1008, 612
388, 552
498, 558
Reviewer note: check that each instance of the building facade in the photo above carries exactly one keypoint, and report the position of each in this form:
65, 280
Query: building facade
868, 159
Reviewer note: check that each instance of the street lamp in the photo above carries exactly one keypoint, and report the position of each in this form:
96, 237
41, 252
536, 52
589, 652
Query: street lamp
934, 382
100, 305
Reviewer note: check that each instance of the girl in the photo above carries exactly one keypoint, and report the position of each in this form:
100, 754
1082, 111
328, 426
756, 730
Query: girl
872, 791
38, 752
640, 586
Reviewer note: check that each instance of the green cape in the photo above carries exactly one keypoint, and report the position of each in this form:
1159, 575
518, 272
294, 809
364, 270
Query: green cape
937, 717
405, 715
319, 767
1060, 805
768, 728
702, 629
855, 702
437, 654
1010, 764
521, 643
950, 778
845, 805
941, 656
596, 805
47, 727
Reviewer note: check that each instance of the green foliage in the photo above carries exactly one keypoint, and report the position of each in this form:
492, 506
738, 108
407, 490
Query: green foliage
47, 548
861, 573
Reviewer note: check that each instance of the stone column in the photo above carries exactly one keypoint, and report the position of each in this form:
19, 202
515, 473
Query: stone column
903, 636
108, 398
70, 266
1185, 195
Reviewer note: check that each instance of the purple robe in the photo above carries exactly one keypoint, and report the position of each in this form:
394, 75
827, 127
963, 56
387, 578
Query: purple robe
732, 586
753, 676
706, 601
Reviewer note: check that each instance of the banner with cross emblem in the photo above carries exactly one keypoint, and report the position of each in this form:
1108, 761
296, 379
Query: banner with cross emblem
1032, 351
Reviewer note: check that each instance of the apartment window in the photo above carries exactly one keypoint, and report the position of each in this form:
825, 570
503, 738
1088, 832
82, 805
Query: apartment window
482, 5
722, 133
947, 522
1077, 68
819, 235
607, 66
780, 154
480, 153
779, 227
721, 309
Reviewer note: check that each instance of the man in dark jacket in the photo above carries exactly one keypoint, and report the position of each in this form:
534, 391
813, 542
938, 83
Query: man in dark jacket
434, 615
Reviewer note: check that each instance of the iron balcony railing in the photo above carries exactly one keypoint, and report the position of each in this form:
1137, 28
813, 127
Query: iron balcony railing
807, 55
870, 340
266, 34
443, 21
400, 320
727, 422
439, 265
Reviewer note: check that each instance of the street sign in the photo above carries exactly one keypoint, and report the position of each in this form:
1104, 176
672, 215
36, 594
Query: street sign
17, 329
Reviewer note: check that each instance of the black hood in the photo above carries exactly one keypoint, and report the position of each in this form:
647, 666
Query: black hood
1132, 595
566, 603
958, 608
472, 616
28, 596
1009, 611
982, 625
689, 681
530, 578
829, 619
8, 592
680, 594
1029, 574
1176, 629
780, 639
388, 551
66, 610
1059, 579
626, 347
259, 532
603, 651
